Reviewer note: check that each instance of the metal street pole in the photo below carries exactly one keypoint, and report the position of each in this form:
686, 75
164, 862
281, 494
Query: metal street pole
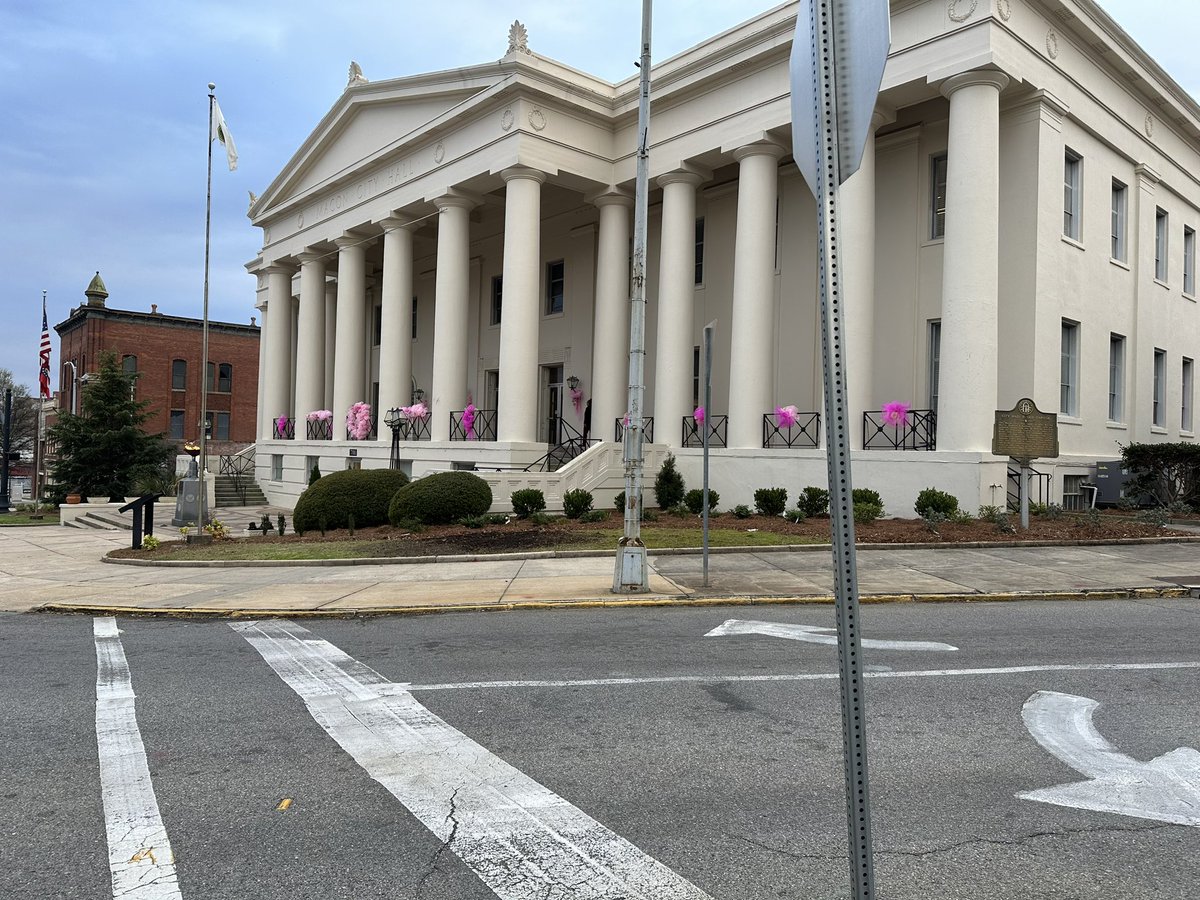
708, 342
202, 510
4, 504
630, 576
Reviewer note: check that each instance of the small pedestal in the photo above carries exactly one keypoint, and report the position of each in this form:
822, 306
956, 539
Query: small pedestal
187, 502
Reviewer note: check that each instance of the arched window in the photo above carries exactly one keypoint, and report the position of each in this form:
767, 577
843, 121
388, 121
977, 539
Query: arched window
224, 378
129, 364
179, 374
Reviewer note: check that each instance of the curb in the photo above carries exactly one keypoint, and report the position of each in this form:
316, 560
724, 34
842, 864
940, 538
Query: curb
1144, 593
597, 554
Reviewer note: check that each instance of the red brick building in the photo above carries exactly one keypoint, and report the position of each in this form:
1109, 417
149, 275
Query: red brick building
164, 352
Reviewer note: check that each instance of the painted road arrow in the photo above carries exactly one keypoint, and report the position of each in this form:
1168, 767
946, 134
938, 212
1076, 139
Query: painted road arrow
1166, 789
815, 635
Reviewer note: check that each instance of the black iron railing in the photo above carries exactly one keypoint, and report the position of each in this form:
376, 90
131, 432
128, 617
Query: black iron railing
319, 429
240, 468
483, 428
805, 433
1039, 486
647, 429
283, 428
919, 432
718, 428
372, 431
414, 429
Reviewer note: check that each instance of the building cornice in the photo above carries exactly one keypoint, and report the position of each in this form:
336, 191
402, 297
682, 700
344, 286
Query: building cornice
81, 314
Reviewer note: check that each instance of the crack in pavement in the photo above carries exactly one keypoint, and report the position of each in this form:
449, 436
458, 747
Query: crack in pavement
452, 818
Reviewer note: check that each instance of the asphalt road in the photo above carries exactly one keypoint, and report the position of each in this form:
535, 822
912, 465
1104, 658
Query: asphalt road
696, 757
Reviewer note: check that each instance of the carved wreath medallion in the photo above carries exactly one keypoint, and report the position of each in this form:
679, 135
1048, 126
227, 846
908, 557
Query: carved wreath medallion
1149, 126
506, 120
1004, 8
537, 119
1052, 43
439, 152
961, 10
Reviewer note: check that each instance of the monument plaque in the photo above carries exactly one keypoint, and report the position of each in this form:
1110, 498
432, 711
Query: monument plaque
1025, 433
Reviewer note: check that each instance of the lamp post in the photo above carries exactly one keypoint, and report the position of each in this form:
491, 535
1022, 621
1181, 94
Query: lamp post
392, 419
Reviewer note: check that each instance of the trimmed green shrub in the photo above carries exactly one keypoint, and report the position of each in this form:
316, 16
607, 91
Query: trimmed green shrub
695, 500
866, 495
742, 511
931, 501
527, 501
865, 512
540, 518
576, 503
473, 521
619, 504
770, 501
594, 515
813, 501
440, 498
1166, 472
795, 515
330, 501
668, 485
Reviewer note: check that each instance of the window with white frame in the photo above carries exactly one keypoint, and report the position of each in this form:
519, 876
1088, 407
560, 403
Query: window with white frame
277, 467
1159, 412
414, 319
937, 196
1068, 396
1189, 260
935, 361
1185, 403
555, 286
695, 376
497, 298
1120, 196
1160, 244
1072, 193
1116, 378
699, 279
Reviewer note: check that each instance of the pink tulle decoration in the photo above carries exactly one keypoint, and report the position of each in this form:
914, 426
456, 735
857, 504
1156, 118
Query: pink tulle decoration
698, 415
358, 421
281, 424
786, 416
895, 414
416, 411
625, 421
468, 421
577, 399
319, 415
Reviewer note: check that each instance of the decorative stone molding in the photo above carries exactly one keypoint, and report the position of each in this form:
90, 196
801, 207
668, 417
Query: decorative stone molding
518, 39
680, 175
759, 148
537, 119
1052, 43
1004, 9
439, 152
507, 119
1149, 126
299, 220
611, 198
1146, 175
394, 222
266, 236
356, 75
961, 10
516, 172
996, 79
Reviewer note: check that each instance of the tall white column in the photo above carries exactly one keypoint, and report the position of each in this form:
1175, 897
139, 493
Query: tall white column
521, 314
395, 342
610, 340
857, 241
310, 339
279, 346
330, 340
752, 331
450, 313
970, 287
263, 426
349, 356
676, 293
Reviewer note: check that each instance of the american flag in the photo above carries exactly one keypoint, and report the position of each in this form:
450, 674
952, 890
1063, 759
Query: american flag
44, 355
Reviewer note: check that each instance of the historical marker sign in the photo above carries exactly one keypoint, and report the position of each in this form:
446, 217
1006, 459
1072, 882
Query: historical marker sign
1025, 433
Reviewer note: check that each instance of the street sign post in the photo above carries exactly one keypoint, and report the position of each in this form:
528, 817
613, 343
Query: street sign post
838, 54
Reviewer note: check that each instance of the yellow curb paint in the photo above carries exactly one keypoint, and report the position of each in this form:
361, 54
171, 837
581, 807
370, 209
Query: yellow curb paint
285, 803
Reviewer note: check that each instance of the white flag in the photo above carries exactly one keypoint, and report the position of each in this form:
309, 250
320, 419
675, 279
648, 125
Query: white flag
220, 132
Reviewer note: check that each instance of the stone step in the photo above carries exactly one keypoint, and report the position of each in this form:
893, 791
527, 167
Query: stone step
110, 520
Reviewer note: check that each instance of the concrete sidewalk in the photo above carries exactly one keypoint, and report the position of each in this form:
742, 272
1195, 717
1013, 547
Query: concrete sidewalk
50, 567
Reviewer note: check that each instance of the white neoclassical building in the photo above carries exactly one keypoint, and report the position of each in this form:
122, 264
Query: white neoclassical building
1023, 225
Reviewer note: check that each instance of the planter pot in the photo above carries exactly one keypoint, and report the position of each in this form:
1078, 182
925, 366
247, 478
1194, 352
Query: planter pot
74, 498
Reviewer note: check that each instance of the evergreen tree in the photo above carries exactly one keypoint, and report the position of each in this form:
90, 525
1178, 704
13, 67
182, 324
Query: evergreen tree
24, 413
103, 450
669, 488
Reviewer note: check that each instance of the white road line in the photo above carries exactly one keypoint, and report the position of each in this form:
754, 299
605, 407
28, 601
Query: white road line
802, 676
522, 840
815, 634
139, 853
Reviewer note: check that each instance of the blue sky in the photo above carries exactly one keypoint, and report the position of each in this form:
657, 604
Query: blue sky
102, 160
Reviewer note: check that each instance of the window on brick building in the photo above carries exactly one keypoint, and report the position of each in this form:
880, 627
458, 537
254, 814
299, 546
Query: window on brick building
222, 430
224, 378
179, 375
129, 364
177, 420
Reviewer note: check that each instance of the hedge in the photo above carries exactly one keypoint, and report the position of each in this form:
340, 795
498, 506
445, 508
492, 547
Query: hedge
440, 499
363, 493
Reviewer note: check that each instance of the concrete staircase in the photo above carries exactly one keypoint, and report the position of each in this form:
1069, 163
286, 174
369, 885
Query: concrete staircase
102, 521
228, 492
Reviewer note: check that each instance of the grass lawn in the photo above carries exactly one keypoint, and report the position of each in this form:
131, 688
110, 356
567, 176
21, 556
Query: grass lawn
49, 516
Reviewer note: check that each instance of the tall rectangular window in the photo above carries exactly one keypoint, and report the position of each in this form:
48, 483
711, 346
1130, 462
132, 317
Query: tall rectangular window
1119, 205
225, 378
1189, 260
695, 377
1185, 403
700, 250
376, 326
937, 196
414, 319
555, 286
1159, 416
1160, 244
497, 298
179, 374
277, 467
177, 424
1116, 378
935, 361
222, 430
1068, 396
1072, 193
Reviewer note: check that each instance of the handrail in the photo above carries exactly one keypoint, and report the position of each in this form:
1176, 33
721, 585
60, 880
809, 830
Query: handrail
240, 465
1039, 487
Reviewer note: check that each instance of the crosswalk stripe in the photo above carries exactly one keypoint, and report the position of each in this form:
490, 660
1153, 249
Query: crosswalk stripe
139, 853
521, 840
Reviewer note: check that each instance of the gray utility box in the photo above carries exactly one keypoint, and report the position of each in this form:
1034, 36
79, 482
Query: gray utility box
1111, 480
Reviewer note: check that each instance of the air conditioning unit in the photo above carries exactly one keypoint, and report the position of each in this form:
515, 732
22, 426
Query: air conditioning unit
1111, 482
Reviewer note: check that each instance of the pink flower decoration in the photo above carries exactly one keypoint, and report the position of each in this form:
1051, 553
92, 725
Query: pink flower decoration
416, 411
281, 424
358, 421
895, 414
319, 415
698, 415
625, 421
577, 399
786, 416
468, 421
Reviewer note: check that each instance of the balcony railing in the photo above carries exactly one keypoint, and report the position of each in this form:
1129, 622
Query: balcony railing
319, 429
693, 434
483, 428
283, 428
805, 433
414, 429
919, 432
647, 429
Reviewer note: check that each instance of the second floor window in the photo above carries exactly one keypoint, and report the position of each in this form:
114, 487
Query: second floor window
220, 378
555, 287
179, 375
937, 197
1072, 191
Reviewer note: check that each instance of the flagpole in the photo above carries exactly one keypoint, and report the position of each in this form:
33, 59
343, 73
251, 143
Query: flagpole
203, 505
41, 423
